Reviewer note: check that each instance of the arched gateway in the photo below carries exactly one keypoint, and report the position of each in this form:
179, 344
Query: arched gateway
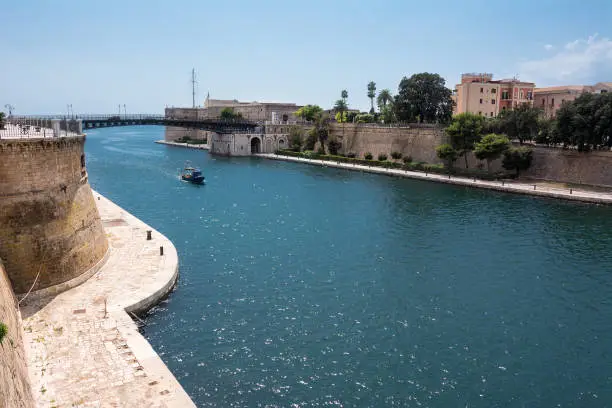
255, 145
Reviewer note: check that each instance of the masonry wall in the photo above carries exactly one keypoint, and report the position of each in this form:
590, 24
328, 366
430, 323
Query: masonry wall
174, 132
49, 222
417, 140
570, 166
15, 390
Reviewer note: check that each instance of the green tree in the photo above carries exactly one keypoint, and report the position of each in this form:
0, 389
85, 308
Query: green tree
491, 147
586, 122
521, 122
296, 136
387, 114
229, 114
340, 107
2, 120
448, 154
517, 158
365, 118
308, 112
465, 130
320, 131
425, 98
371, 95
384, 99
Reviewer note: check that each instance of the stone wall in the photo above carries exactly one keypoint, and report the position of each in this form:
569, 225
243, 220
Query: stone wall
49, 222
417, 141
558, 165
173, 132
15, 390
570, 166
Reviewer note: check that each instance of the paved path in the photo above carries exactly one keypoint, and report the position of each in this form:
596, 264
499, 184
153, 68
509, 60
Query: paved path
83, 348
540, 189
192, 146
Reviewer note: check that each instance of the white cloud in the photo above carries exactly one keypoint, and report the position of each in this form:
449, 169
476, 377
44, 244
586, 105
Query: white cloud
577, 62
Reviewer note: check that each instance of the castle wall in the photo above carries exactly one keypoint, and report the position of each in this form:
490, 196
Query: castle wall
417, 141
49, 224
15, 390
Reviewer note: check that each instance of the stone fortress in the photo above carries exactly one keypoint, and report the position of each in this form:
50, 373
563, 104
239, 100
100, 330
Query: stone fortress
274, 119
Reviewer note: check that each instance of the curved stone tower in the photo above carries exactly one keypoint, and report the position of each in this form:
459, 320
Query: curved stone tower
49, 222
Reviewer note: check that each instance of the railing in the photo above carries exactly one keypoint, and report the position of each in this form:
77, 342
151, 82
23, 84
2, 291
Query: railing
23, 127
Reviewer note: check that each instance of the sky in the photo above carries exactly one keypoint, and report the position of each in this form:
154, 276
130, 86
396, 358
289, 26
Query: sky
96, 55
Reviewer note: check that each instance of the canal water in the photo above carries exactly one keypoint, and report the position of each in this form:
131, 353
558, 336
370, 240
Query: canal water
308, 286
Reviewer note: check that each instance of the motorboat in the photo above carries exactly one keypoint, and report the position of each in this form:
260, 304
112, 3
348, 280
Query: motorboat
192, 174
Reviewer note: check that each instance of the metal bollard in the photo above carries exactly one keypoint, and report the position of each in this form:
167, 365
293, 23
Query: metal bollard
474, 179
449, 176
503, 183
534, 186
148, 235
161, 251
570, 191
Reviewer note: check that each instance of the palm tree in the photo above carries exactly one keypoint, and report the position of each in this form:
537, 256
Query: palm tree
371, 94
384, 98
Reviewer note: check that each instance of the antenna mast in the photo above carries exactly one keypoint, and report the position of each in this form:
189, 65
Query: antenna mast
193, 87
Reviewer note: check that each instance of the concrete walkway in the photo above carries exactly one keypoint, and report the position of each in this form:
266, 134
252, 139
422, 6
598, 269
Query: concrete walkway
83, 348
189, 145
535, 188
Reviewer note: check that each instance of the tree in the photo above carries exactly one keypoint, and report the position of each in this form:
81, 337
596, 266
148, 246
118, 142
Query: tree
308, 112
425, 98
387, 114
320, 132
229, 114
2, 120
521, 122
384, 99
465, 130
371, 94
296, 135
448, 154
365, 118
517, 158
586, 122
491, 147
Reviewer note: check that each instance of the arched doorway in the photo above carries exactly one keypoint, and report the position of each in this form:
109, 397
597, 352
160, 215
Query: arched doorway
255, 145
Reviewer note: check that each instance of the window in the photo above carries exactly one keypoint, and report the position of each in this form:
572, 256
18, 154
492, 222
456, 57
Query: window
529, 95
505, 95
493, 90
480, 113
493, 101
481, 90
481, 100
543, 102
521, 94
553, 102
491, 114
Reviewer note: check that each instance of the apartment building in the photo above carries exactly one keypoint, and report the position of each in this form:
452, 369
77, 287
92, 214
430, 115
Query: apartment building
479, 93
551, 98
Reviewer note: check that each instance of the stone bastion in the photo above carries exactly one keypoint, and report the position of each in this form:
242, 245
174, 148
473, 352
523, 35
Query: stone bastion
49, 223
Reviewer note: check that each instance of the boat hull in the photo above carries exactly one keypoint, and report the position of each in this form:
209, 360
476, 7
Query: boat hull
194, 180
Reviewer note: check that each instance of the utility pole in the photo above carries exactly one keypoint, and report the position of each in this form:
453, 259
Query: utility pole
193, 86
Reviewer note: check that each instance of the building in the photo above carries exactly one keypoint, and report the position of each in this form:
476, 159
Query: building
551, 98
478, 93
256, 111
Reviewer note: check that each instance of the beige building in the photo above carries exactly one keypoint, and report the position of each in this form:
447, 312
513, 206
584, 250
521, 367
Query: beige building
262, 112
551, 98
478, 93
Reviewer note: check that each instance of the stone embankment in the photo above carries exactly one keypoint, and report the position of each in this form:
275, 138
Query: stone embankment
15, 390
189, 145
83, 347
505, 186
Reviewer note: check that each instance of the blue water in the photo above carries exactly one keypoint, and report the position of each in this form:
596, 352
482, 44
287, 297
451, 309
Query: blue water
307, 286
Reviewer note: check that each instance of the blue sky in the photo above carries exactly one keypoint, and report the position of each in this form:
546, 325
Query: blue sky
96, 55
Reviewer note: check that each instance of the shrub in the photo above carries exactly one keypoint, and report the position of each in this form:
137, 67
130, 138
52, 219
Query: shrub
321, 150
408, 159
382, 157
333, 146
3, 331
311, 140
368, 156
396, 155
351, 155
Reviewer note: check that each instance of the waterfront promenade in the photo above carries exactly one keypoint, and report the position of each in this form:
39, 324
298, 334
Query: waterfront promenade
84, 350
189, 145
536, 188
